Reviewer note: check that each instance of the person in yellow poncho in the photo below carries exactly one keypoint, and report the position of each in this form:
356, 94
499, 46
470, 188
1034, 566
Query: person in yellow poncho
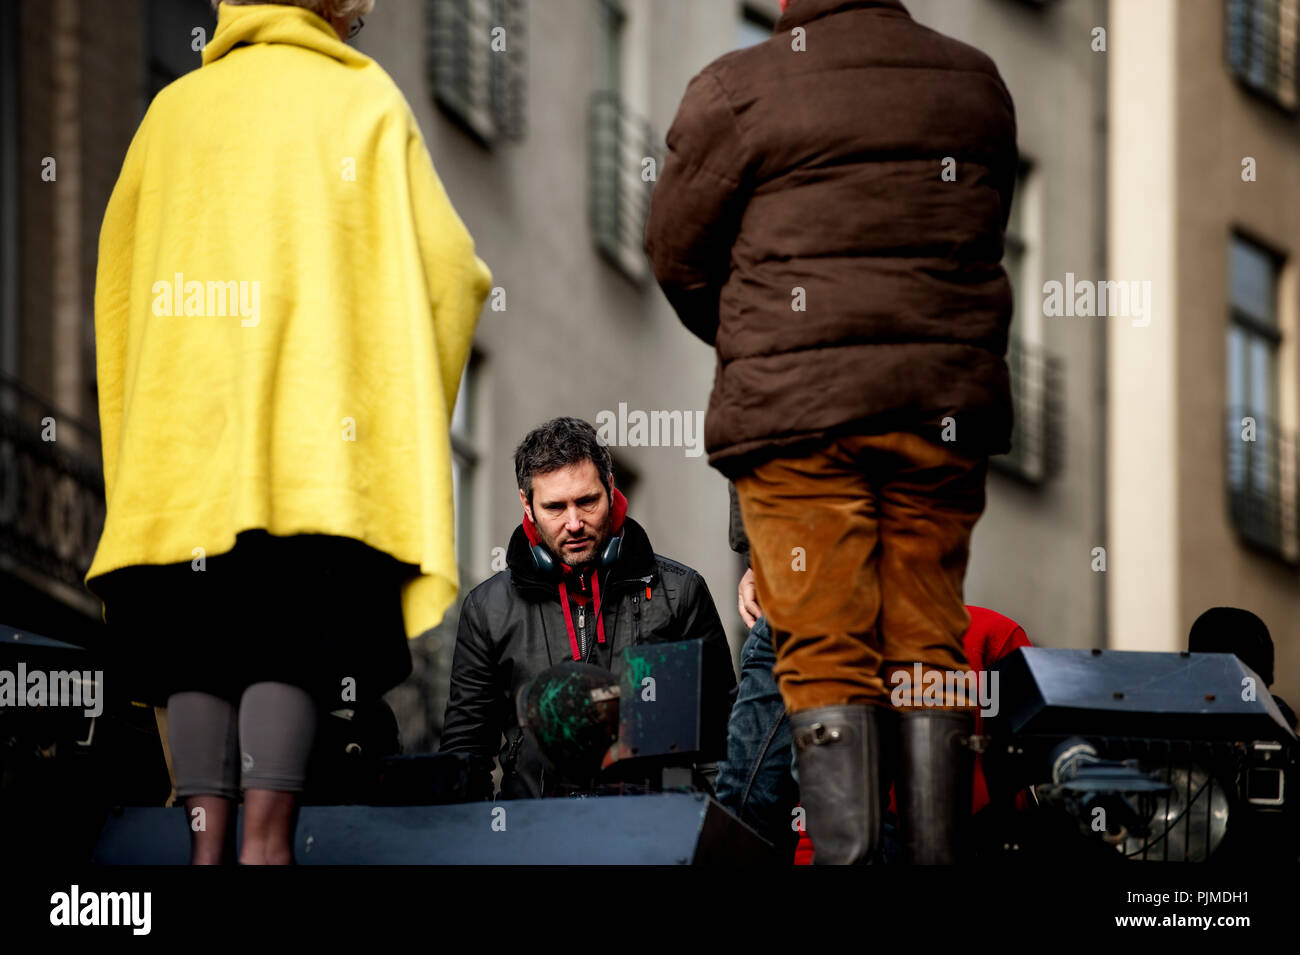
284, 306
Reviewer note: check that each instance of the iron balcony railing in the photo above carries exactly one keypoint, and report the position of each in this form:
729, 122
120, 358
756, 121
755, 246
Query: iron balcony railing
478, 65
1262, 462
625, 158
1036, 396
51, 495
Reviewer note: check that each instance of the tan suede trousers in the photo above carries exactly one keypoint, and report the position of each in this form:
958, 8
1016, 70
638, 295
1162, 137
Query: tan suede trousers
859, 552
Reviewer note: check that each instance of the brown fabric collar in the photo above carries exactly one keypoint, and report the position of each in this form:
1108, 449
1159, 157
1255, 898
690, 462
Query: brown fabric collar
800, 12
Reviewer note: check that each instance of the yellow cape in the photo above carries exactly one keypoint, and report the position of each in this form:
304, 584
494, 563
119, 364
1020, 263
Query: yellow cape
284, 306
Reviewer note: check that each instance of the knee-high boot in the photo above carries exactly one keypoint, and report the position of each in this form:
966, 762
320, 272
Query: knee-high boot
838, 751
935, 775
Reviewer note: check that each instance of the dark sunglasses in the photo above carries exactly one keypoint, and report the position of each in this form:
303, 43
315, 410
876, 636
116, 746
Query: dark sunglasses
357, 24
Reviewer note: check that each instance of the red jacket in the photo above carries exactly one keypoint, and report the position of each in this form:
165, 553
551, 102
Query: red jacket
990, 637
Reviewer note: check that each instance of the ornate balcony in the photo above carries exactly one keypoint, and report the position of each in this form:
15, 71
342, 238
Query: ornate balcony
51, 496
1260, 462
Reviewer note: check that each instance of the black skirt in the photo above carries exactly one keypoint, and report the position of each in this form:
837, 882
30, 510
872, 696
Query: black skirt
320, 612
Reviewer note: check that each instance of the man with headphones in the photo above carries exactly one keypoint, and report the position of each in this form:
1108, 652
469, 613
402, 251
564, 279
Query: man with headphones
581, 583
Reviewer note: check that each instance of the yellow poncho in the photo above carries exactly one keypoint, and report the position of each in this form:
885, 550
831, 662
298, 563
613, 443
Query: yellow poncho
284, 306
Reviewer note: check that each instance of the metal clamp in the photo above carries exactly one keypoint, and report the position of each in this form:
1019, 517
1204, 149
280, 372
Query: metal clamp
818, 734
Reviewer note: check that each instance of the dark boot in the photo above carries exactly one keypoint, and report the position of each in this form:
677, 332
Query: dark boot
935, 775
839, 781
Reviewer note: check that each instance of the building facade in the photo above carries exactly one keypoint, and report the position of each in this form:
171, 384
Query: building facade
1205, 205
1127, 505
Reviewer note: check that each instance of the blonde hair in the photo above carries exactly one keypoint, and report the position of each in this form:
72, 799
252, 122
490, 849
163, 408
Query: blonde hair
325, 9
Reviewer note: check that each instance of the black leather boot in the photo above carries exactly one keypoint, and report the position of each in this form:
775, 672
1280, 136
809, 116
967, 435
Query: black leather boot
935, 775
839, 781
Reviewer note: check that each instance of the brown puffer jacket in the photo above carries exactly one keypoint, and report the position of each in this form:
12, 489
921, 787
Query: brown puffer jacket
823, 170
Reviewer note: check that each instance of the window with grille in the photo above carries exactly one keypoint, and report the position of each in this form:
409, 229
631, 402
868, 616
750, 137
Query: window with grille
1035, 372
1261, 456
1261, 46
477, 59
622, 147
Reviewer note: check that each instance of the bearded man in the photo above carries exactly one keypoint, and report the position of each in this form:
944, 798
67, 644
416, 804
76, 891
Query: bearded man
581, 583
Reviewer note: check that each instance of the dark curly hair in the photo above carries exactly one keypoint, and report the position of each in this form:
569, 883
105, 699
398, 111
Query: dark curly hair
557, 444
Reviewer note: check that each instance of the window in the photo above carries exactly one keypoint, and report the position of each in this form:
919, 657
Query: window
1035, 372
464, 460
1253, 335
477, 56
622, 147
1260, 39
1261, 458
753, 27
1016, 245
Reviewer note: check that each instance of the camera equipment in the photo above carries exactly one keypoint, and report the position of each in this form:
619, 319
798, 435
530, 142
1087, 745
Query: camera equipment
650, 726
1149, 756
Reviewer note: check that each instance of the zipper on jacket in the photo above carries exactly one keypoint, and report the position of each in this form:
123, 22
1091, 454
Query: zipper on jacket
582, 632
636, 606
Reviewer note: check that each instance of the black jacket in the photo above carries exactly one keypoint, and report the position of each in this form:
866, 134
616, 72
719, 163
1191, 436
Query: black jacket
512, 628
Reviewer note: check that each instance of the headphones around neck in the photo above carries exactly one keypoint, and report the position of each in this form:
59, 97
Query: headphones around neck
544, 560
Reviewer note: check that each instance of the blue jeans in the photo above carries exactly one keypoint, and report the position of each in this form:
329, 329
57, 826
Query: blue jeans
758, 781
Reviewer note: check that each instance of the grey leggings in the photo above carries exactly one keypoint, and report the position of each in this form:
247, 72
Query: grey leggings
268, 736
